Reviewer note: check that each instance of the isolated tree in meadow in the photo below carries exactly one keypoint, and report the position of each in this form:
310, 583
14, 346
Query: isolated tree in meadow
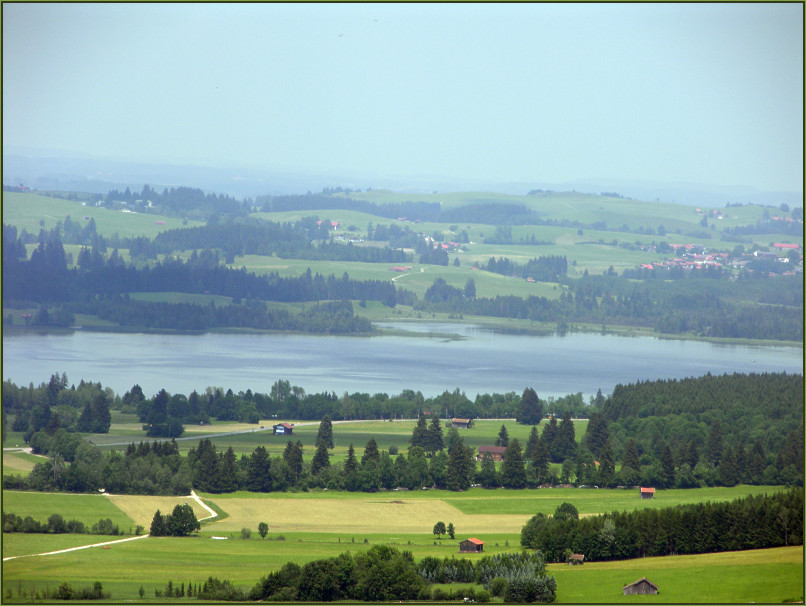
503, 437
182, 521
325, 433
451, 531
263, 529
439, 529
513, 471
321, 460
530, 408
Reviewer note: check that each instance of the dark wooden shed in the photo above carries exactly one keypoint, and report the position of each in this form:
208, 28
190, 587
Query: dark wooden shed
283, 429
471, 546
641, 586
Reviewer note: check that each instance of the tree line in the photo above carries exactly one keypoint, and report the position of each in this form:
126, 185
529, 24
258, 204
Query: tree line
753, 522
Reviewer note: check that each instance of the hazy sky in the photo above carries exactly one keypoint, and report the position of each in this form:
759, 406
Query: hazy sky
702, 93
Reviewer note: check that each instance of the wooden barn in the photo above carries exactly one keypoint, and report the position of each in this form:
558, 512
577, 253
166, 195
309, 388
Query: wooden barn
460, 423
471, 546
641, 586
576, 558
496, 452
647, 493
283, 429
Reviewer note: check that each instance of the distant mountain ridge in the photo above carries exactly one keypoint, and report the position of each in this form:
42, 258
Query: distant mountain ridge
71, 171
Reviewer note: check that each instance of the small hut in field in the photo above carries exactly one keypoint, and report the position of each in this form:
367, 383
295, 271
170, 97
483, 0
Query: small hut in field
647, 493
471, 546
576, 558
641, 586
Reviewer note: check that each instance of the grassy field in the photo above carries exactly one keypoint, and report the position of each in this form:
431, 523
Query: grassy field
27, 210
86, 508
355, 521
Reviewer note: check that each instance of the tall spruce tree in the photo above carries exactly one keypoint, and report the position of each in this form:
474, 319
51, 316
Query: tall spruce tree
258, 471
607, 465
350, 465
419, 437
321, 460
461, 468
325, 433
531, 444
435, 442
488, 476
540, 462
371, 452
503, 437
566, 445
596, 434
513, 471
550, 433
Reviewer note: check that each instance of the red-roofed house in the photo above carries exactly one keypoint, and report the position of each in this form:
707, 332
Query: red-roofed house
283, 429
793, 246
471, 546
647, 493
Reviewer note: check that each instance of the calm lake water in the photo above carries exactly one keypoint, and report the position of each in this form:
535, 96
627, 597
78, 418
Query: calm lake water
483, 361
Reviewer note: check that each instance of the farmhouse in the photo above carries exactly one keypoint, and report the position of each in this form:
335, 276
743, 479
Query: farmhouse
496, 452
647, 493
461, 423
471, 546
641, 586
283, 429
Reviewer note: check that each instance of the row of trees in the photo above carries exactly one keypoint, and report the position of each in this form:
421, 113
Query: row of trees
753, 522
56, 524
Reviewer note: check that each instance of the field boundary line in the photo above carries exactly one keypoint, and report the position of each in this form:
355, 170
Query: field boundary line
30, 555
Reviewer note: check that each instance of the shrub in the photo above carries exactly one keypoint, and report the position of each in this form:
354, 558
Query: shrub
498, 586
482, 596
246, 533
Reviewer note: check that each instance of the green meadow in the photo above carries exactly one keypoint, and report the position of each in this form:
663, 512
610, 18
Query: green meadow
308, 526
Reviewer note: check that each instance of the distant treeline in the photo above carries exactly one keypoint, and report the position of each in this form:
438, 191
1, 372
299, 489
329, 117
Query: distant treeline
179, 201
753, 522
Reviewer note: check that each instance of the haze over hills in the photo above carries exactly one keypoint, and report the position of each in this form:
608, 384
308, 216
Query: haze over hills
74, 171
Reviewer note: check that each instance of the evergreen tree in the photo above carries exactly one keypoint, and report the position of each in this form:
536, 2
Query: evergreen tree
451, 530
513, 472
227, 480
503, 437
729, 472
325, 433
540, 462
435, 442
630, 458
713, 444
205, 470
461, 468
419, 436
530, 408
350, 465
607, 466
158, 527
596, 434
321, 460
293, 456
550, 433
258, 471
371, 452
667, 466
566, 444
488, 477
531, 444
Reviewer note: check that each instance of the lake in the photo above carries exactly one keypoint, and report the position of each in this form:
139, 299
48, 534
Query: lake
481, 361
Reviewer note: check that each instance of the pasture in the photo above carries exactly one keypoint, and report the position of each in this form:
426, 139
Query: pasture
308, 526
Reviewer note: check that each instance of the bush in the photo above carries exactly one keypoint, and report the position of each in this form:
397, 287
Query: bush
482, 596
498, 586
246, 533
